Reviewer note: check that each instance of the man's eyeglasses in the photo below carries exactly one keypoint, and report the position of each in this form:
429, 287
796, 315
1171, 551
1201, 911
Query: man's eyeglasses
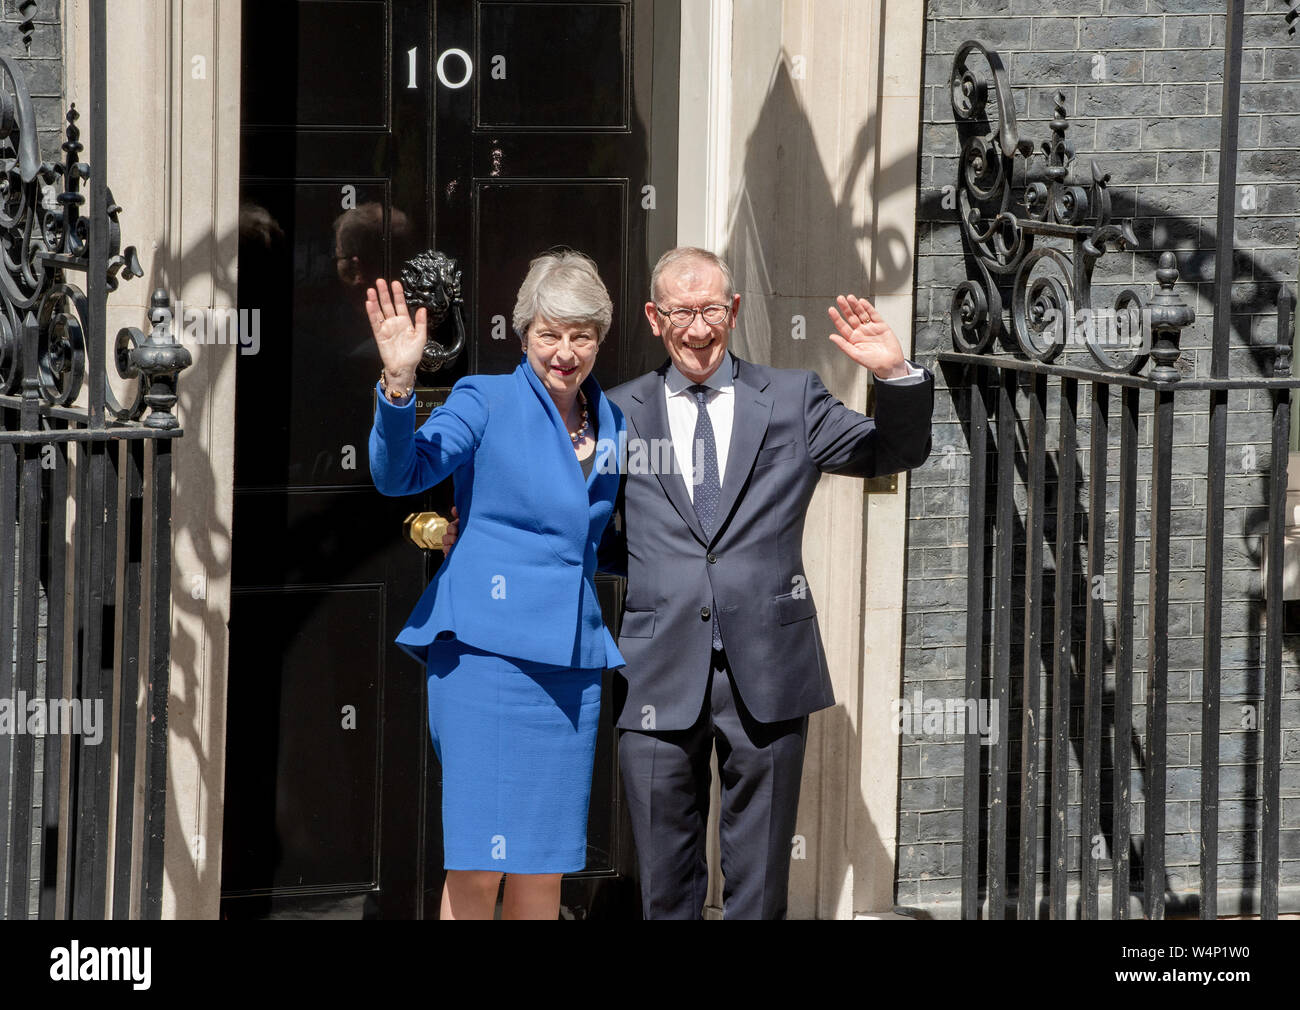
681, 316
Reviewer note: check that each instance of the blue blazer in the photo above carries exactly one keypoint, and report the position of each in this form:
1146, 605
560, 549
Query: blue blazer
520, 580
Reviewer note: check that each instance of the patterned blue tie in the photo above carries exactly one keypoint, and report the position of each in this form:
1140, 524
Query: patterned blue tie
708, 487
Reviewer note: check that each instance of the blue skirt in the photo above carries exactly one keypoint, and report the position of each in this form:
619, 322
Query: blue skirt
516, 741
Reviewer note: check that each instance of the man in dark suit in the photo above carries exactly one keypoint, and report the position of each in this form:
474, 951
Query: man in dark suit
719, 628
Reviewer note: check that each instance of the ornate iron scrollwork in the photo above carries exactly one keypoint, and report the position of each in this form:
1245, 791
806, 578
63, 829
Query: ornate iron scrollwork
1051, 289
431, 281
43, 235
154, 362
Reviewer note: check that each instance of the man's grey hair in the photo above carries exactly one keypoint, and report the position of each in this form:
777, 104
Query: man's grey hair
686, 254
564, 287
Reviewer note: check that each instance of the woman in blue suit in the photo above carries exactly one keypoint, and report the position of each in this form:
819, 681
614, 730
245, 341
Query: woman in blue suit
510, 630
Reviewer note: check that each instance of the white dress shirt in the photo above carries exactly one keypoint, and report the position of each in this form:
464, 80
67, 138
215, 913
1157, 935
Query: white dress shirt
682, 413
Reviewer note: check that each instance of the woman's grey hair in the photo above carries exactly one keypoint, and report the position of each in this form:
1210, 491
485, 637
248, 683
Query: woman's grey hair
685, 254
564, 287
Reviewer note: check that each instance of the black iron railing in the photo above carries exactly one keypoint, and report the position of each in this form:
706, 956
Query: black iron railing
1013, 194
52, 349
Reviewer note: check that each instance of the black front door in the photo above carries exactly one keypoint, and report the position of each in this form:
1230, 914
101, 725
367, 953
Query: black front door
373, 130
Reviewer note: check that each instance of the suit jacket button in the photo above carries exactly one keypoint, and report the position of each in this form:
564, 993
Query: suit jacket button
713, 559
704, 613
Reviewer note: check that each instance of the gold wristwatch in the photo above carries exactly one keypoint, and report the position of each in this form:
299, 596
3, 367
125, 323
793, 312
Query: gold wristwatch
383, 384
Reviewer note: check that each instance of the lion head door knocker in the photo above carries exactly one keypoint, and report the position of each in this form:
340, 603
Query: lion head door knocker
432, 282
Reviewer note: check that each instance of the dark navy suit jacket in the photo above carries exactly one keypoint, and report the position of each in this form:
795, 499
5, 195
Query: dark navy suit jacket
788, 430
519, 581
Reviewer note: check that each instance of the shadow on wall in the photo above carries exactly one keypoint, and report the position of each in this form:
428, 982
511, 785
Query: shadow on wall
792, 240
792, 237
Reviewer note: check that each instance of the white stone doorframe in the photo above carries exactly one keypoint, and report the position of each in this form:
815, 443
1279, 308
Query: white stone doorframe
848, 807
173, 163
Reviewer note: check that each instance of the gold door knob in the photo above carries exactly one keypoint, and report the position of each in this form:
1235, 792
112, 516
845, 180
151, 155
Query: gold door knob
425, 530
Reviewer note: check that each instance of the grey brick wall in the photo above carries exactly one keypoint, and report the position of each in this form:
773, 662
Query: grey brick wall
1142, 82
42, 62
42, 65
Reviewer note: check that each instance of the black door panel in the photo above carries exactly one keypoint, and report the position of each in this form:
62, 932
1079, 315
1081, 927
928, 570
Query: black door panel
365, 134
563, 210
581, 80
